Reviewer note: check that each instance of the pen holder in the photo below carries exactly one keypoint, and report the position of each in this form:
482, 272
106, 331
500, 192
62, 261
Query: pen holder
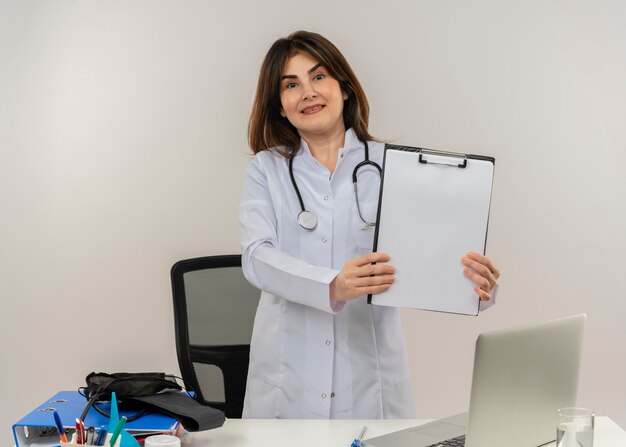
73, 443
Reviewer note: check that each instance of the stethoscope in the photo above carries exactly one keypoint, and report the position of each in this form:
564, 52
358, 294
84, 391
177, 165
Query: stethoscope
307, 219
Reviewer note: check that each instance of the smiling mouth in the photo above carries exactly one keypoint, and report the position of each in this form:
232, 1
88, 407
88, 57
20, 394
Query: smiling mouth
312, 109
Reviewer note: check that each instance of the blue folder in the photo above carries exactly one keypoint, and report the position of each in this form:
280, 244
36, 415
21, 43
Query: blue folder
38, 429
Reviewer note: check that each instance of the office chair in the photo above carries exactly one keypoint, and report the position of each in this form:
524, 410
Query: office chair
214, 308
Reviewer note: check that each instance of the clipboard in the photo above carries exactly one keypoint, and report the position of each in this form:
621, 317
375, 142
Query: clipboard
433, 209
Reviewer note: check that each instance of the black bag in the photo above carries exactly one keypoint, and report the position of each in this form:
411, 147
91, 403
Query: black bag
150, 392
128, 384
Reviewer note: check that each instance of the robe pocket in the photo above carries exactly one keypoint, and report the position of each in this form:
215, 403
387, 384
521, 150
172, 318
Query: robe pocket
364, 234
265, 346
365, 240
260, 400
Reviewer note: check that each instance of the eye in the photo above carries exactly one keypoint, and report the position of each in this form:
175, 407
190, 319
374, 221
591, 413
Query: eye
290, 85
319, 76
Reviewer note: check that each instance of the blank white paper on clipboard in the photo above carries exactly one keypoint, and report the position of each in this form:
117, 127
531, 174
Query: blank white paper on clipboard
433, 209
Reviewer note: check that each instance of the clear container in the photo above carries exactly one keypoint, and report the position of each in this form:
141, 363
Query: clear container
575, 427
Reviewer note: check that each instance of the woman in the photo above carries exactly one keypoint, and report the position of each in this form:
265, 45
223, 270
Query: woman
318, 349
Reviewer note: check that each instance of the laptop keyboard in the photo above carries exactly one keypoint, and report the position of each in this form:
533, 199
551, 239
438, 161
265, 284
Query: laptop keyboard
453, 442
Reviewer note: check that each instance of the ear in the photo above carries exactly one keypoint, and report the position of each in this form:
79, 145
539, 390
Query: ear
282, 113
345, 95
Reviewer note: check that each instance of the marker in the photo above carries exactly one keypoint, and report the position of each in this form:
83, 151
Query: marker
80, 432
357, 441
117, 431
91, 436
102, 435
57, 421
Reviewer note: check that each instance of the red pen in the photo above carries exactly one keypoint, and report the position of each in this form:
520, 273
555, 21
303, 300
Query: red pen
80, 431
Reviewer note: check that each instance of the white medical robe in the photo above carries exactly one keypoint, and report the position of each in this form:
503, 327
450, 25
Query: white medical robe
310, 357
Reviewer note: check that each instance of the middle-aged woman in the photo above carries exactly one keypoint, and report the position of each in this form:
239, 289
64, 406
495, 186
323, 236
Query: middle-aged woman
318, 349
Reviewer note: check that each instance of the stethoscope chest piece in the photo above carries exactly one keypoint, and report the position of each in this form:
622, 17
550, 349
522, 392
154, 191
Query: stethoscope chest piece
307, 220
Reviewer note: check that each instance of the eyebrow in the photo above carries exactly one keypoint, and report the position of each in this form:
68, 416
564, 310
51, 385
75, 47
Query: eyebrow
309, 71
315, 67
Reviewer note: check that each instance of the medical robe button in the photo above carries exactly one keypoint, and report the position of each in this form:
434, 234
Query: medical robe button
325, 197
324, 396
332, 394
324, 240
328, 342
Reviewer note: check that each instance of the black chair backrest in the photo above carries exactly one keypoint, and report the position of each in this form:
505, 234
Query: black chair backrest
214, 308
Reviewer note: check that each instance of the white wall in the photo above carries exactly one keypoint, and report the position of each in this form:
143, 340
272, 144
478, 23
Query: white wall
123, 146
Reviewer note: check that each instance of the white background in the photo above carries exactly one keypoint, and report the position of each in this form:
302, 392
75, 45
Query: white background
123, 148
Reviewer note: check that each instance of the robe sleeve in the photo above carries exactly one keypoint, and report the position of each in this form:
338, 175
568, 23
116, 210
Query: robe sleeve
264, 264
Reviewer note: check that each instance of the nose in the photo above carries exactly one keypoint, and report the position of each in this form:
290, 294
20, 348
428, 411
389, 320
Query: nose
308, 91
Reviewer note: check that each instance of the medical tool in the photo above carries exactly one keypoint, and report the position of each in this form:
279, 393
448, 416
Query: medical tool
307, 219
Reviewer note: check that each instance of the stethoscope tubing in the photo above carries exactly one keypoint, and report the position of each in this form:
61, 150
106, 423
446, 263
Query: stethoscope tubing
293, 182
307, 219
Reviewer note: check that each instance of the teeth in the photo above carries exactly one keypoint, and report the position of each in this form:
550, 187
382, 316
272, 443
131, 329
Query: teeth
310, 109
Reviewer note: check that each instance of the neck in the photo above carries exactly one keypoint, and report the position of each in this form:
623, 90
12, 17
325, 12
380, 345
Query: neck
325, 148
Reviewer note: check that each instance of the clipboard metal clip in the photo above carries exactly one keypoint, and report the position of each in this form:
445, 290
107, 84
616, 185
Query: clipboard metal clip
424, 152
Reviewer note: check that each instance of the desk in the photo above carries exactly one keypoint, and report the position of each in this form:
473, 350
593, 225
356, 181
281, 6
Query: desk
337, 433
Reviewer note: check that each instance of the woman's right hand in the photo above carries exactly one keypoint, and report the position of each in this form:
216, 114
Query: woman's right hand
359, 277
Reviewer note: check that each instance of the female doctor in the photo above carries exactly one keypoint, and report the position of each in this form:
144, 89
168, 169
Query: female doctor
318, 350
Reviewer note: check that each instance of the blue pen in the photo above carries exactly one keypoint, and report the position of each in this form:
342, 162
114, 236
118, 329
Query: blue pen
59, 424
357, 441
102, 436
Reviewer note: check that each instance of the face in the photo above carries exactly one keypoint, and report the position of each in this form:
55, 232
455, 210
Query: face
311, 99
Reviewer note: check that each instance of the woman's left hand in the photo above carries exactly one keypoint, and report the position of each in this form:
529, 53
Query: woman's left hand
481, 270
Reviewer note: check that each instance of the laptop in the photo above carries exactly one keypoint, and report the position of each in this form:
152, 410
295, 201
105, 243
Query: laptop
522, 376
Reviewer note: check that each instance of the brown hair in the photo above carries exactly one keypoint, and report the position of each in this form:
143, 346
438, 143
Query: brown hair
267, 128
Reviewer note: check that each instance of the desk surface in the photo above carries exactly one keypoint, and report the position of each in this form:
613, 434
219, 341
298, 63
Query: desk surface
336, 433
